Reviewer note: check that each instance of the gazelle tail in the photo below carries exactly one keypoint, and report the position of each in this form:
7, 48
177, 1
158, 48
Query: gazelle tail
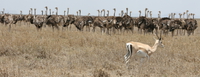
129, 53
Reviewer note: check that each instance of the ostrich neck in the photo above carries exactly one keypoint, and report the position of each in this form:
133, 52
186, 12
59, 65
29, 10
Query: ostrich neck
35, 12
104, 13
114, 13
139, 14
56, 12
67, 11
127, 11
46, 11
187, 15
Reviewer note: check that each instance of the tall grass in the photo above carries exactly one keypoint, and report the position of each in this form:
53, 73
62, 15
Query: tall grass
71, 53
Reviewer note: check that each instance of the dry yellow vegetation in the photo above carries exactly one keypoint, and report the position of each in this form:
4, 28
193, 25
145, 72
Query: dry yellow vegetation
25, 52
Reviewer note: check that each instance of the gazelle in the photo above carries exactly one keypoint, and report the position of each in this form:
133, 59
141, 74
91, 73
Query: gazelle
141, 50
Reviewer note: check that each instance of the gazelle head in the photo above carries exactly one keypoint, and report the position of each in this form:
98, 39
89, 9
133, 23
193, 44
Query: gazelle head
159, 40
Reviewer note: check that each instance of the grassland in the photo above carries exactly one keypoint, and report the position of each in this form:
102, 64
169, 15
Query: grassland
24, 52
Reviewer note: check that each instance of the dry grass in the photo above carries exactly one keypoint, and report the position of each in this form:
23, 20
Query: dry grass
26, 52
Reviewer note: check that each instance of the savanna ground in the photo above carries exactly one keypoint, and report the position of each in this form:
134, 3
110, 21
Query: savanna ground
24, 52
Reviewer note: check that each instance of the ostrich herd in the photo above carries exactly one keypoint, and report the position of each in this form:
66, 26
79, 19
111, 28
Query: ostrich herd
107, 24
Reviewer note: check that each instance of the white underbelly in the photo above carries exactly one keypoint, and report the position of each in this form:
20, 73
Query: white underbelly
141, 54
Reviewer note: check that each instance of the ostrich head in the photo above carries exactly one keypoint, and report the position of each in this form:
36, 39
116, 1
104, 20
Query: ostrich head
56, 8
187, 10
20, 12
183, 13
46, 7
77, 13
174, 15
146, 9
180, 16
88, 14
114, 9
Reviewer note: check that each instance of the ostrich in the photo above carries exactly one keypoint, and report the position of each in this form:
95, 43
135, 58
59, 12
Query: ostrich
98, 22
46, 10
56, 10
38, 20
183, 15
139, 13
98, 13
49, 11
150, 14
127, 11
103, 10
159, 14
114, 11
31, 11
3, 12
42, 12
187, 13
130, 13
146, 12
108, 13
35, 12
29, 18
67, 11
64, 13
122, 13
169, 15
79, 12
21, 18
180, 15
174, 15
9, 19
193, 16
